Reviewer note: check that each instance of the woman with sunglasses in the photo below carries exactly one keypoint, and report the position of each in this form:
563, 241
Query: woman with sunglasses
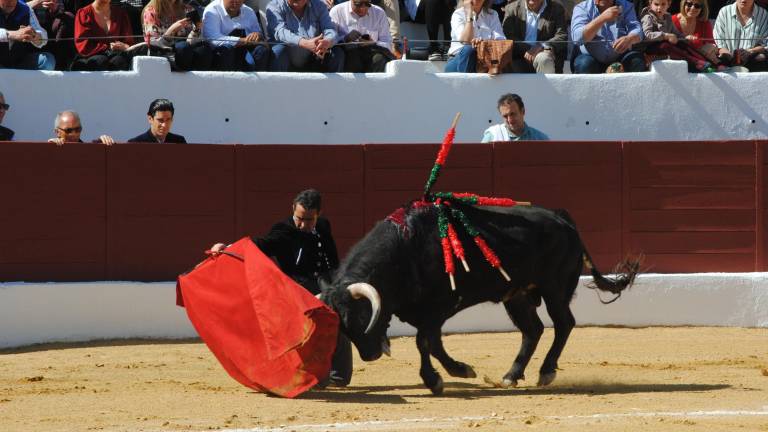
693, 22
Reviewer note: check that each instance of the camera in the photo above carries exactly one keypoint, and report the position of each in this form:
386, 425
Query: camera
193, 16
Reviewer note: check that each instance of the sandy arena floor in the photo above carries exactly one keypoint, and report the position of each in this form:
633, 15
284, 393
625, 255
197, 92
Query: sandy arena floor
611, 379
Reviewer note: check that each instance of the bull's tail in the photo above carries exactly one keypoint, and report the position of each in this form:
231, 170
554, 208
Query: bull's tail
625, 271
624, 276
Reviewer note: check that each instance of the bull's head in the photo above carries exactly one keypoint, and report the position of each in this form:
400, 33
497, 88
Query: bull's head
359, 307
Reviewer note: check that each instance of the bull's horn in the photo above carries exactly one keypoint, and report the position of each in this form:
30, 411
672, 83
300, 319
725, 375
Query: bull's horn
360, 290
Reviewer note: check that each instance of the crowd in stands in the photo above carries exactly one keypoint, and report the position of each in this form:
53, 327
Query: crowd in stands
593, 36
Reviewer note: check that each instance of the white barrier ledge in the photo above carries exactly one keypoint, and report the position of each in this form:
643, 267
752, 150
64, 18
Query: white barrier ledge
411, 102
32, 313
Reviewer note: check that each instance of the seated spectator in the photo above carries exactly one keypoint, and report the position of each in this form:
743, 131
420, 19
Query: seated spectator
103, 35
365, 28
171, 23
740, 31
667, 40
237, 38
693, 23
539, 30
472, 22
434, 13
514, 127
21, 38
57, 17
5, 133
604, 32
160, 117
305, 35
392, 11
67, 128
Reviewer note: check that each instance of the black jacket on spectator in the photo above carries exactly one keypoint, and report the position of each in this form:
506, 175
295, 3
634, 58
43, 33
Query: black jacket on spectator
5, 134
147, 137
303, 256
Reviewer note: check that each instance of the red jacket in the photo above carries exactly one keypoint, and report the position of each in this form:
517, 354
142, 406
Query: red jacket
86, 27
703, 31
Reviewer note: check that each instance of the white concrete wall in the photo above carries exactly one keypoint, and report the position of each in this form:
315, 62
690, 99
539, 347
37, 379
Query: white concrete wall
35, 313
410, 103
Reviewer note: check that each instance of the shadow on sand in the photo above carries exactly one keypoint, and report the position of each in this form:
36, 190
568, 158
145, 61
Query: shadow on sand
453, 390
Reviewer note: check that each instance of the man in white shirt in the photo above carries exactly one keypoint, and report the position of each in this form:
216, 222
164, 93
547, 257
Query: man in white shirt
237, 38
364, 29
513, 128
21, 37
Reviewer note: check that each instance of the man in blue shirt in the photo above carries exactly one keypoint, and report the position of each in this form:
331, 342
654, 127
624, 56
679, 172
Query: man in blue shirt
303, 36
604, 32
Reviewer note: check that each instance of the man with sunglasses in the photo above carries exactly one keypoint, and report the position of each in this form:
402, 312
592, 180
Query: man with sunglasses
304, 249
364, 30
5, 133
68, 128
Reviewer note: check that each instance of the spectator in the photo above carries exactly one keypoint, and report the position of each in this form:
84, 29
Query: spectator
171, 23
474, 21
433, 13
57, 17
740, 31
693, 23
306, 36
160, 117
103, 35
539, 30
365, 26
304, 249
21, 38
5, 133
666, 39
392, 10
514, 127
237, 38
604, 32
67, 128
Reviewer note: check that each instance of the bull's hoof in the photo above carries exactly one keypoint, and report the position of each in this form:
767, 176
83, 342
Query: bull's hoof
437, 388
510, 380
546, 378
462, 370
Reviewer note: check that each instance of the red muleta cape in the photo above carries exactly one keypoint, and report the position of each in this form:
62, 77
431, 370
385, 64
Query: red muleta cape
267, 331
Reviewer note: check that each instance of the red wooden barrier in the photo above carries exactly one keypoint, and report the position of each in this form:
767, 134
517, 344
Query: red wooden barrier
145, 212
692, 205
53, 217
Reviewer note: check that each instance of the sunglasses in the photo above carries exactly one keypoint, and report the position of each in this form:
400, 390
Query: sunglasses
693, 5
361, 4
4, 106
71, 130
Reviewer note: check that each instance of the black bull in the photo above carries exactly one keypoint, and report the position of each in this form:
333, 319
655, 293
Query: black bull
401, 268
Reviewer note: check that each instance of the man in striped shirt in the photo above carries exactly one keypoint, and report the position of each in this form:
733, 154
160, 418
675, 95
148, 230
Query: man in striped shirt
740, 32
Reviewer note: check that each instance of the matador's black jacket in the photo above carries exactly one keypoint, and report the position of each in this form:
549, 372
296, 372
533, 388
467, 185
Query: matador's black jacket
305, 257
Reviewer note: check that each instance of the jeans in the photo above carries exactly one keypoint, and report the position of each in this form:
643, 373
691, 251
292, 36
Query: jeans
294, 57
189, 57
25, 56
463, 61
632, 61
229, 58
